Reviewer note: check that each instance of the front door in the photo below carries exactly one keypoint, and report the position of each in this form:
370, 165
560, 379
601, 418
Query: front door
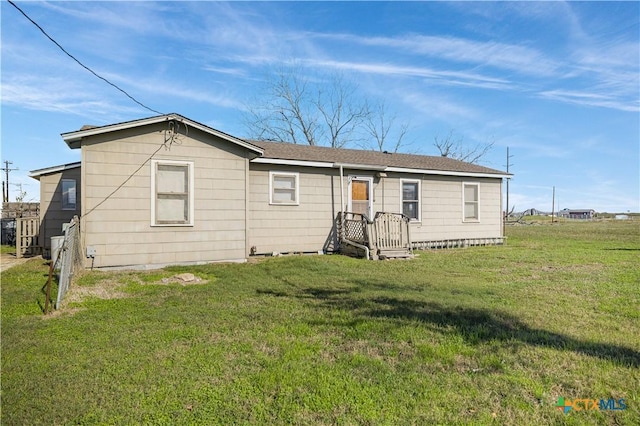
361, 195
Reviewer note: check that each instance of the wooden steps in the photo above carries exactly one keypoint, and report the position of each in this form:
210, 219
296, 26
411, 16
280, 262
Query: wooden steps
395, 254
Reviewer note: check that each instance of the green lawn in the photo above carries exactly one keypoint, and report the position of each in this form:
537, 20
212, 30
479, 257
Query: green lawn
485, 335
4, 249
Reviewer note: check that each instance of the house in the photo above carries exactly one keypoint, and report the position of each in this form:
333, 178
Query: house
17, 209
59, 199
584, 214
169, 190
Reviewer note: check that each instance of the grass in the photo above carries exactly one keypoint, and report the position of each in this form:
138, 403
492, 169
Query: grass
486, 335
6, 249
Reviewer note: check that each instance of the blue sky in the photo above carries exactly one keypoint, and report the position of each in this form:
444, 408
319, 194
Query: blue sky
556, 82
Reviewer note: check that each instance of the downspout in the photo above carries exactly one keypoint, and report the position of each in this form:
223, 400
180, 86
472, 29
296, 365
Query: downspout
504, 212
341, 203
361, 246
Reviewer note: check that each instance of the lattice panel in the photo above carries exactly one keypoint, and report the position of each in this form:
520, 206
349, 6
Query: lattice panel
355, 230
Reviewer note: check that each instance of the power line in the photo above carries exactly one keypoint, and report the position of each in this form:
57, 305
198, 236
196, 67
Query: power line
171, 137
80, 63
124, 182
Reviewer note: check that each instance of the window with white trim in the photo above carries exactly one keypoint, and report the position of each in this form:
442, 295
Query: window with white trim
171, 193
411, 198
283, 188
471, 202
68, 194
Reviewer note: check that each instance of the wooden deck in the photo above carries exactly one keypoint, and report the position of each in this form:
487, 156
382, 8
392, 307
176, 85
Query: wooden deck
385, 237
388, 236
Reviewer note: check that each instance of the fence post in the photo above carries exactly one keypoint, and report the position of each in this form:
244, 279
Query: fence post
70, 258
18, 238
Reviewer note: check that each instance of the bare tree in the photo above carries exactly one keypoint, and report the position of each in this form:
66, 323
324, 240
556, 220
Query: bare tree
285, 112
342, 114
296, 109
453, 147
380, 125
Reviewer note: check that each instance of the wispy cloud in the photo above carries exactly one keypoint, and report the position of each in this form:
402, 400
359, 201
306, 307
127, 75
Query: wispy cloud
439, 107
585, 98
138, 17
602, 75
459, 78
540, 149
488, 53
169, 88
55, 95
594, 75
233, 71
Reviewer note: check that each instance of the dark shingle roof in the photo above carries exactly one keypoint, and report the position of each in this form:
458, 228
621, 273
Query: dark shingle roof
376, 159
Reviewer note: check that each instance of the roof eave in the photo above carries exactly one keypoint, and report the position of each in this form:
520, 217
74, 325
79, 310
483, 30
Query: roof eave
354, 166
496, 175
378, 168
285, 162
53, 169
74, 139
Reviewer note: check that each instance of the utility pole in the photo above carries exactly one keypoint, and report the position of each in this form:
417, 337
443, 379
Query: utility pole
553, 204
5, 192
508, 179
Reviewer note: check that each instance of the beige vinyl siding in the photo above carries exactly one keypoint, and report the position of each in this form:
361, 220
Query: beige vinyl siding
120, 228
441, 202
309, 226
306, 227
442, 210
52, 216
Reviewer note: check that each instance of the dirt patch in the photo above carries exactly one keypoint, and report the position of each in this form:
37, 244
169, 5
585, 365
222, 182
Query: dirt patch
107, 288
10, 260
62, 312
182, 279
100, 291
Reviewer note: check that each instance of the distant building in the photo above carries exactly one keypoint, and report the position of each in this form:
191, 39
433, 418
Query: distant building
584, 214
12, 210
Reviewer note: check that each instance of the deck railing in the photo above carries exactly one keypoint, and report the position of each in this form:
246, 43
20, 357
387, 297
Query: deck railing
391, 231
387, 235
355, 227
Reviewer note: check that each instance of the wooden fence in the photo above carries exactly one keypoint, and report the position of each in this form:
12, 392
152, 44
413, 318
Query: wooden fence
28, 237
